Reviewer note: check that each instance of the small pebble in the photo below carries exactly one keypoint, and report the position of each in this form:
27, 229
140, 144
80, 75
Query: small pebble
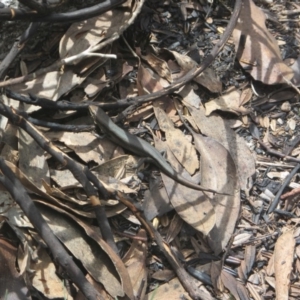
286, 106
279, 121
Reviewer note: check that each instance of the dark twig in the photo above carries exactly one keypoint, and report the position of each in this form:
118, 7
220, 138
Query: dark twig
81, 173
17, 47
277, 153
284, 185
65, 105
41, 8
18, 192
8, 14
55, 126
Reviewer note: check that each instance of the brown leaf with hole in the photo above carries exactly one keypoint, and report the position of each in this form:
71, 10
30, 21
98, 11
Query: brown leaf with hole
256, 48
218, 172
283, 263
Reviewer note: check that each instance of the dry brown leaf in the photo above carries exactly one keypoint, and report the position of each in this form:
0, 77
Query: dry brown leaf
86, 145
157, 64
12, 285
182, 149
156, 201
218, 172
174, 228
44, 277
171, 290
135, 262
32, 160
163, 275
98, 286
52, 85
192, 206
257, 50
283, 261
236, 288
96, 256
217, 128
228, 102
190, 97
84, 34
207, 78
147, 82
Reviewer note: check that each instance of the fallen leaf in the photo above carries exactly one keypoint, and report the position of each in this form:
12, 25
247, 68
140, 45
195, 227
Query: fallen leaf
283, 263
12, 285
218, 172
182, 149
98, 259
170, 290
32, 160
86, 145
192, 206
135, 262
257, 50
228, 102
219, 129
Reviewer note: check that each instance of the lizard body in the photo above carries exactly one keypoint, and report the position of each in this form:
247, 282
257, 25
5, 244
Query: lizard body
139, 147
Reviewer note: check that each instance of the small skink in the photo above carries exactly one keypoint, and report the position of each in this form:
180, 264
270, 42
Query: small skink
139, 147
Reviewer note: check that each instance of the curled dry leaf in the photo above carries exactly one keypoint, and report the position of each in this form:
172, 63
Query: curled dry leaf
257, 50
283, 261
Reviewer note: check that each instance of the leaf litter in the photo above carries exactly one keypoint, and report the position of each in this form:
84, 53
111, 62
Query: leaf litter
232, 133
